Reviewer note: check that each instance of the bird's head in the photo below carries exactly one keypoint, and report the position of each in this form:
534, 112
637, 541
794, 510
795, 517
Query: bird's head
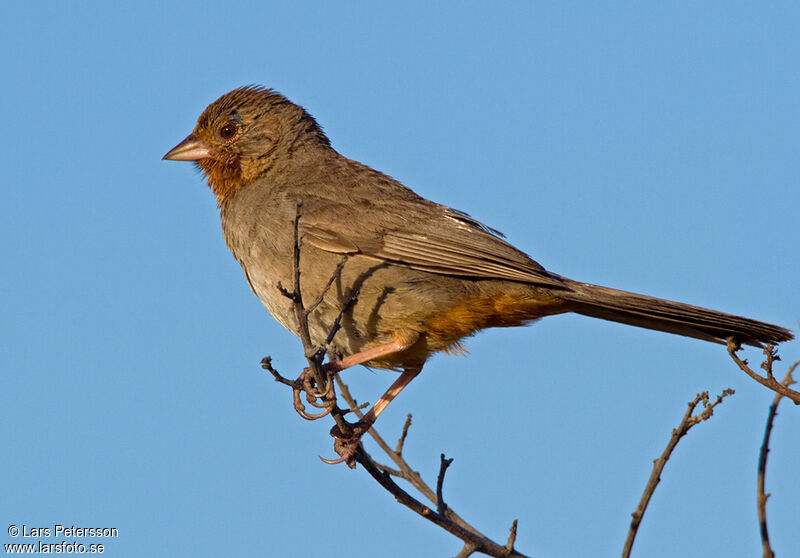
244, 134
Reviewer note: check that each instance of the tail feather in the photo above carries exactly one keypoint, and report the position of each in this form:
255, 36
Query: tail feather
671, 317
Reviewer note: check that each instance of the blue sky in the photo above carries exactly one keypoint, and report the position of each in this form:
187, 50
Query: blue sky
642, 147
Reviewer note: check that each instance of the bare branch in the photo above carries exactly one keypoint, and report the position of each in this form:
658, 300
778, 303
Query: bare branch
296, 296
402, 440
441, 507
405, 472
314, 355
266, 364
512, 536
770, 381
311, 307
477, 543
352, 298
688, 421
762, 462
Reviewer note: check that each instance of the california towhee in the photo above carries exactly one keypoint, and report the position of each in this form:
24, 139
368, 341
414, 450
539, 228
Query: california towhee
427, 275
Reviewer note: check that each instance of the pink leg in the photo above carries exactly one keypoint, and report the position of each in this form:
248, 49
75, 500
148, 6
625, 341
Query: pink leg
334, 366
405, 378
346, 447
370, 354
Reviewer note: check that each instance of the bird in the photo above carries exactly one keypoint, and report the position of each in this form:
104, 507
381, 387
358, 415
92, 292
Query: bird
427, 276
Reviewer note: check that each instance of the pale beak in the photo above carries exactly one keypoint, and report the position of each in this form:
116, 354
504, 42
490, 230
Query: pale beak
189, 149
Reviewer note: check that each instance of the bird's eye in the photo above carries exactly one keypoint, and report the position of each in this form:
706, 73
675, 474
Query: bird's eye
227, 131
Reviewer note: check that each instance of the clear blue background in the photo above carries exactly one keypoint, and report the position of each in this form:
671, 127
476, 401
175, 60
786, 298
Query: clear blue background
642, 147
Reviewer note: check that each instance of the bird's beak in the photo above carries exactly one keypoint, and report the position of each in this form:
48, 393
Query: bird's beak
190, 149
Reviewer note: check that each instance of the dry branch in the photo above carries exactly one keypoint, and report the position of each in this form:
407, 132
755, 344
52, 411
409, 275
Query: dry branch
770, 381
688, 421
476, 543
762, 465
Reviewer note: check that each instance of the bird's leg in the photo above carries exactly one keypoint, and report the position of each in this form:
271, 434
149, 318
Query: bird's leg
383, 350
333, 367
405, 378
346, 446
329, 369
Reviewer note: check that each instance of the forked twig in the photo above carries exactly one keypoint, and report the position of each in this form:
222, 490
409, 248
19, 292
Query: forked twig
688, 421
321, 296
476, 543
405, 471
770, 381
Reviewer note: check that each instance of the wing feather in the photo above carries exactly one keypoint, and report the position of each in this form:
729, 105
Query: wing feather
450, 243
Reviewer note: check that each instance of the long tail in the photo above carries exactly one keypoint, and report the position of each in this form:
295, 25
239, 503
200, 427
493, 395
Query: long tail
671, 317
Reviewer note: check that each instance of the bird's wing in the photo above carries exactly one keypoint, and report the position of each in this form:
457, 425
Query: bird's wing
421, 235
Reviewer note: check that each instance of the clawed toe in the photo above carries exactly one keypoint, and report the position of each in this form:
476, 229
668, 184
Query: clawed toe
347, 446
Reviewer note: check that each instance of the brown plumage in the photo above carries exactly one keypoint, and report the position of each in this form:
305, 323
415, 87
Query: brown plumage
428, 275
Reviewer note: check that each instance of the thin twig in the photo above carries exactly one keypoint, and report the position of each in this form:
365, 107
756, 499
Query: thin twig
314, 355
444, 463
402, 439
688, 421
321, 296
512, 536
405, 472
480, 543
351, 299
266, 364
762, 465
296, 296
770, 381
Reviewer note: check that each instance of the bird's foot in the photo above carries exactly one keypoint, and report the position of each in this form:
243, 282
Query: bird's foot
328, 370
321, 399
347, 445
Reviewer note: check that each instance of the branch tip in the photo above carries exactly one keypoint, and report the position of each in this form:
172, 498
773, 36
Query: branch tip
402, 440
769, 381
512, 536
444, 463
